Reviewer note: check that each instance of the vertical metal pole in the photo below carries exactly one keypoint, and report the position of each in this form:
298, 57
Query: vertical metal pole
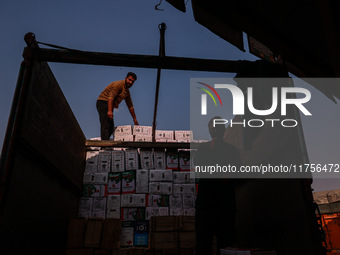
162, 28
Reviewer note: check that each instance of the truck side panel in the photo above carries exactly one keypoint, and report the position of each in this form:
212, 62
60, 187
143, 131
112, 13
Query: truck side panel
43, 179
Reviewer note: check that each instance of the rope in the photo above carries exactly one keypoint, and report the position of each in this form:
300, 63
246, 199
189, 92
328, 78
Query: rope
58, 47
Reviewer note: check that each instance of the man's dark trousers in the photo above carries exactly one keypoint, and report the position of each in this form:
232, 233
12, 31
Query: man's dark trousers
106, 124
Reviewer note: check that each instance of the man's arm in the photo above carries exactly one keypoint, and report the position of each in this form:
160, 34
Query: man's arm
132, 112
129, 104
115, 89
110, 108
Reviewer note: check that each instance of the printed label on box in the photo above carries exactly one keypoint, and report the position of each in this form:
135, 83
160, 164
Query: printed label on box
124, 138
126, 237
188, 201
165, 134
100, 178
151, 211
114, 183
123, 130
99, 207
182, 177
161, 188
104, 162
88, 178
163, 211
88, 190
91, 161
159, 134
141, 233
85, 207
118, 163
188, 189
160, 175
183, 134
132, 214
113, 206
143, 138
156, 211
118, 138
159, 159
142, 130
146, 159
176, 201
131, 159
142, 181
157, 200
132, 200
128, 182
94, 190
184, 160
172, 159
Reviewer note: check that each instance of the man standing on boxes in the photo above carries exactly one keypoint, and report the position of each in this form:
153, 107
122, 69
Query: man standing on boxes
110, 98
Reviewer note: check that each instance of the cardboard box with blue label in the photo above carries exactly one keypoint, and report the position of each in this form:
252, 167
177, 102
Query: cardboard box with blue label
141, 233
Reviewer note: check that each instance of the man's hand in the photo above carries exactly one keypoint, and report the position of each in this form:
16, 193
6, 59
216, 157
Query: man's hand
110, 115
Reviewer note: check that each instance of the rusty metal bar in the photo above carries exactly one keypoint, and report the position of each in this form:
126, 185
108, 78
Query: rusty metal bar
143, 61
162, 28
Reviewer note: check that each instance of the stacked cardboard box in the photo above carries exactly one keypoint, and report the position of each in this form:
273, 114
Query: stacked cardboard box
173, 234
135, 184
112, 174
136, 133
164, 135
162, 235
93, 236
123, 133
144, 134
186, 234
183, 136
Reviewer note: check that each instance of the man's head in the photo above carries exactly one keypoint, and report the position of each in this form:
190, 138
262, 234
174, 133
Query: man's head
130, 79
218, 130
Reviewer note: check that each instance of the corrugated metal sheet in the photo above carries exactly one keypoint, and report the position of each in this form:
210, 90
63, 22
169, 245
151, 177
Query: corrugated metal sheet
327, 197
329, 208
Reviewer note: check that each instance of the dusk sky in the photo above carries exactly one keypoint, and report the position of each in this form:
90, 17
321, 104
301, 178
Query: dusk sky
131, 27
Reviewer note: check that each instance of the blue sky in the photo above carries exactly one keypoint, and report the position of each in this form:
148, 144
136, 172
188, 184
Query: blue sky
127, 26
